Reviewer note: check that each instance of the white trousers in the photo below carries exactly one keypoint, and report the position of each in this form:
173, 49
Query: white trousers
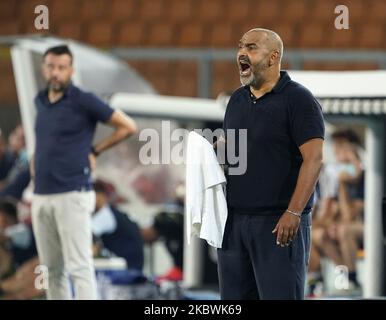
62, 228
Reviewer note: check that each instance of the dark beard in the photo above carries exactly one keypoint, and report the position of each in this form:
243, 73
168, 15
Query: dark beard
61, 88
257, 72
257, 82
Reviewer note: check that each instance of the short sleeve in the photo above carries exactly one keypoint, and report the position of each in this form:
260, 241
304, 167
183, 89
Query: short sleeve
96, 108
306, 117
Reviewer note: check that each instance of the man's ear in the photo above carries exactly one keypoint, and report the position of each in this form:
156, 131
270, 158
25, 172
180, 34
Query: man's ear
274, 58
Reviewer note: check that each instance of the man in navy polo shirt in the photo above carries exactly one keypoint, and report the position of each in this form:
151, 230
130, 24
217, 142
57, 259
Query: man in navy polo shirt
61, 166
266, 243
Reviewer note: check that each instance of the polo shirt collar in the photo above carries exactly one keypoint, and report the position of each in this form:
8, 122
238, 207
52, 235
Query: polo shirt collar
283, 81
66, 92
279, 86
69, 89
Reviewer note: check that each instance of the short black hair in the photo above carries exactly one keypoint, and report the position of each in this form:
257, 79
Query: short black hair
8, 207
59, 50
348, 135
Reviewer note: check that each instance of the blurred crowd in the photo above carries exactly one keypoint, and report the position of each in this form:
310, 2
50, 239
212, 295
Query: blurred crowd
115, 233
18, 254
337, 231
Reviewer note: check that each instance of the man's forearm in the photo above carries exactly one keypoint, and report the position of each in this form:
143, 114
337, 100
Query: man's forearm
308, 176
112, 140
124, 127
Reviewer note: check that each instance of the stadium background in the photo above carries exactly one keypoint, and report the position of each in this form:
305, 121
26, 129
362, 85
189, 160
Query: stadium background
186, 47
193, 24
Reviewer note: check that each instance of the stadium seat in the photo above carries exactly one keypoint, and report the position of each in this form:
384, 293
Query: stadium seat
294, 11
161, 34
163, 84
225, 77
121, 10
71, 29
321, 12
159, 73
131, 34
341, 39
62, 11
186, 68
311, 36
139, 66
357, 10
288, 33
267, 11
372, 36
185, 83
191, 35
151, 10
10, 27
210, 11
376, 10
159, 67
8, 10
237, 11
100, 33
179, 10
223, 35
93, 10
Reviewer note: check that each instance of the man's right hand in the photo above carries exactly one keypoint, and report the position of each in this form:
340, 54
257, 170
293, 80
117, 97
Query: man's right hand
286, 229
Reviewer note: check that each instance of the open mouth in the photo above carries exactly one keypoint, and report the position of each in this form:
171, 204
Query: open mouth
245, 67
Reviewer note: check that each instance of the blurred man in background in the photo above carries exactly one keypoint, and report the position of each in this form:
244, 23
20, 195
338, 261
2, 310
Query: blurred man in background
16, 145
325, 212
117, 232
168, 227
64, 157
338, 225
349, 228
14, 168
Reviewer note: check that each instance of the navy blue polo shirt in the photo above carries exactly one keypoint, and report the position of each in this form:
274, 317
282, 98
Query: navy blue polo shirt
64, 133
126, 240
6, 163
277, 124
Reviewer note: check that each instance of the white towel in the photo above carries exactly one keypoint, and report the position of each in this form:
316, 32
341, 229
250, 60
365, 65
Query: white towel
205, 206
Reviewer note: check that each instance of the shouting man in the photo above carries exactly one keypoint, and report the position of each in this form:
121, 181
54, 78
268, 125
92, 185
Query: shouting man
266, 242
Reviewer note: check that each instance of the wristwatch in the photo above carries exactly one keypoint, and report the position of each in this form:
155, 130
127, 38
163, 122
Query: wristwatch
94, 152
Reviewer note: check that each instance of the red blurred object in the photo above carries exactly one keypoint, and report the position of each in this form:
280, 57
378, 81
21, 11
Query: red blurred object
111, 192
174, 274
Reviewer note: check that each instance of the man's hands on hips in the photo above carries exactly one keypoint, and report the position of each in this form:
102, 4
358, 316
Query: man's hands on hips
286, 229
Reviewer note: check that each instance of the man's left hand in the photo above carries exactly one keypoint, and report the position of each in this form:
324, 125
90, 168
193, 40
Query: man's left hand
286, 229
